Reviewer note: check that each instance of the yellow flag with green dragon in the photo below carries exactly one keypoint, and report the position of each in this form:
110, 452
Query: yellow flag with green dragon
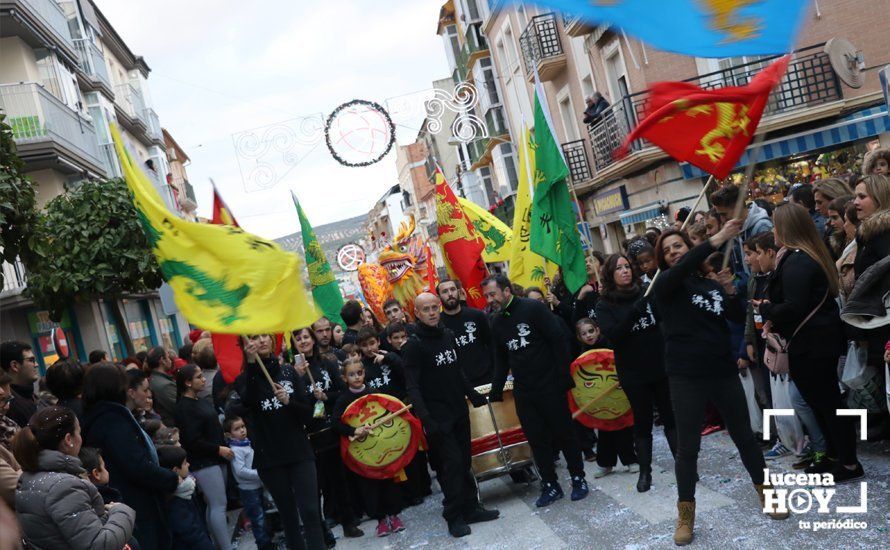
224, 279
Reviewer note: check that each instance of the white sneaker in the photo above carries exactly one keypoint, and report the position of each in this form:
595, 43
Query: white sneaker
601, 472
632, 468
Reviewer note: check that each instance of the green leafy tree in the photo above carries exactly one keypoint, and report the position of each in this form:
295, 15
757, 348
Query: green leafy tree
88, 244
18, 209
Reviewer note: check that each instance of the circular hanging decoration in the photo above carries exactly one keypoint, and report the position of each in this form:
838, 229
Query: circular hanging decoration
596, 379
350, 256
390, 447
359, 133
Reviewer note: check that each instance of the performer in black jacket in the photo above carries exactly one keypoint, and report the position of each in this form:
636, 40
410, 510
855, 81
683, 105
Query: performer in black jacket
529, 342
628, 321
472, 333
321, 376
283, 457
438, 389
699, 362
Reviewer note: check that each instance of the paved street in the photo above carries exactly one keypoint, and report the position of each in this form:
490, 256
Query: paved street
616, 516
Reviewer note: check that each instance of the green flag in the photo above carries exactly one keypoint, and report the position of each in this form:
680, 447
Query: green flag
554, 231
325, 290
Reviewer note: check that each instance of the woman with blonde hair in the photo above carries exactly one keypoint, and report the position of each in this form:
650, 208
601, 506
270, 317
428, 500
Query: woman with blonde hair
802, 310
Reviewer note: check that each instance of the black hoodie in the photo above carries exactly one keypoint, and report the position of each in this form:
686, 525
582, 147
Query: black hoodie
436, 382
472, 336
529, 343
694, 311
629, 323
386, 377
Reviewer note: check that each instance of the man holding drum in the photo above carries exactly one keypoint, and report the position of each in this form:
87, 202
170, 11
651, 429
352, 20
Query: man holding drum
438, 390
529, 342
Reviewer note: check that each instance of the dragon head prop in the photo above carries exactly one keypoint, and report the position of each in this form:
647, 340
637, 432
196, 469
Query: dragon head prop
399, 273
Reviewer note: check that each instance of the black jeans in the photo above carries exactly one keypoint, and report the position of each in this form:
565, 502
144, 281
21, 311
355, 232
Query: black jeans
615, 444
333, 488
546, 421
455, 474
383, 497
643, 399
689, 396
294, 489
816, 379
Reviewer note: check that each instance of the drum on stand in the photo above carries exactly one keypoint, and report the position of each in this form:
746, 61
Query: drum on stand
498, 444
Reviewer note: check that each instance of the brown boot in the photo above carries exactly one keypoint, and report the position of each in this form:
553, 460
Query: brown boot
774, 515
685, 522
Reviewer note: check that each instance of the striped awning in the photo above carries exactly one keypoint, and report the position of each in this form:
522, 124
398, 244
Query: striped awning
641, 214
859, 125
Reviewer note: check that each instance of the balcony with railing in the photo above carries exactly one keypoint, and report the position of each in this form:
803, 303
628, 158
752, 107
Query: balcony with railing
42, 126
38, 22
542, 48
92, 62
496, 127
575, 153
15, 278
154, 126
575, 26
475, 45
809, 82
129, 100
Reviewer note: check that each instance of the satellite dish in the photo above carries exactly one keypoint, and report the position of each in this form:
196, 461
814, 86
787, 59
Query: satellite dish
846, 61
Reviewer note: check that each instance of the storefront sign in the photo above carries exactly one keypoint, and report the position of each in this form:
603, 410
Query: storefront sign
613, 200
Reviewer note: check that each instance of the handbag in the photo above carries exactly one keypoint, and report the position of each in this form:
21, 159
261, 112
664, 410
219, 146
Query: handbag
775, 354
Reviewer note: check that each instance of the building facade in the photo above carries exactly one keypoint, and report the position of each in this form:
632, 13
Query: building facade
178, 179
816, 123
65, 75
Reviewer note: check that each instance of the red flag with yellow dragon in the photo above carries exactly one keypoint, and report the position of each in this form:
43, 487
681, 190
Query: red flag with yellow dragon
461, 246
709, 129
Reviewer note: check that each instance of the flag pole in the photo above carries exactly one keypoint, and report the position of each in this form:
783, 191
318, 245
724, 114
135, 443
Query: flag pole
701, 195
743, 192
262, 365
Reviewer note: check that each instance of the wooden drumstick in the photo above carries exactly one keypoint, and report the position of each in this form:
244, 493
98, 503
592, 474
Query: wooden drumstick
587, 405
385, 419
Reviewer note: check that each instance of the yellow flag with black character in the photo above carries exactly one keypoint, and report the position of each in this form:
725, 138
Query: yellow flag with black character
224, 279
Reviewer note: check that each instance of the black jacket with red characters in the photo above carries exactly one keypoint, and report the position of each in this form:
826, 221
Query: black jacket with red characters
529, 342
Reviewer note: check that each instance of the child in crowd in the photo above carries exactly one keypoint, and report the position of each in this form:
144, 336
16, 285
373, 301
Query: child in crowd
642, 254
187, 525
610, 445
92, 462
166, 436
589, 336
352, 350
250, 488
383, 371
383, 499
698, 233
397, 335
754, 343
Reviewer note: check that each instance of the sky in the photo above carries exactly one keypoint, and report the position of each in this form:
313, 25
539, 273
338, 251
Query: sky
223, 71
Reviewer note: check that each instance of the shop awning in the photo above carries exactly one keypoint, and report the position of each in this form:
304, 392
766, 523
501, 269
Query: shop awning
641, 214
859, 125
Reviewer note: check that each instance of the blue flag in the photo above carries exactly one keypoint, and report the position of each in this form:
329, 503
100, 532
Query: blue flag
703, 28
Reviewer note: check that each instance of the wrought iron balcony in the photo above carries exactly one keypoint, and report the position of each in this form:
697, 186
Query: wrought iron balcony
40, 121
92, 62
809, 82
575, 153
542, 48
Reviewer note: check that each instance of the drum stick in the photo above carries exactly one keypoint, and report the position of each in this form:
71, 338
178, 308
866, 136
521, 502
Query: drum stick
590, 403
685, 223
385, 419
